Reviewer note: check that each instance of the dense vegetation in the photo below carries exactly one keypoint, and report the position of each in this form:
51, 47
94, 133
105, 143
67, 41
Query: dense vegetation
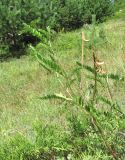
65, 100
32, 129
57, 14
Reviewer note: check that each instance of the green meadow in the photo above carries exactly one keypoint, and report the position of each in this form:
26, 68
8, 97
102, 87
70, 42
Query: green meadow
23, 114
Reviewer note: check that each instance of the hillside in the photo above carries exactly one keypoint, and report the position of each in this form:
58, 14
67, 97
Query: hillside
23, 81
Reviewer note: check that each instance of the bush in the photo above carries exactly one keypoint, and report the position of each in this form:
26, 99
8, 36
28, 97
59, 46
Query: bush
15, 12
119, 9
68, 14
119, 4
75, 13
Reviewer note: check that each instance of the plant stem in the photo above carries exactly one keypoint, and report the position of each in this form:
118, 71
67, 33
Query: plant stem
82, 62
94, 58
95, 76
97, 126
113, 153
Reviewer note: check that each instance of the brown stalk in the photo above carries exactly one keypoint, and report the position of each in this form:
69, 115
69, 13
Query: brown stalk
96, 126
95, 76
83, 38
95, 72
82, 62
113, 152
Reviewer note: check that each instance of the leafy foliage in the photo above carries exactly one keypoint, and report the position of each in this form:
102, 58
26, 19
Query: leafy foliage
119, 9
75, 13
68, 14
96, 129
15, 13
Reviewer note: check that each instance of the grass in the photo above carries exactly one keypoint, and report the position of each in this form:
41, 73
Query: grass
23, 80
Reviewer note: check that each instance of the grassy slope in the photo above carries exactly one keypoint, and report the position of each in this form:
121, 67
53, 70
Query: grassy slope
23, 81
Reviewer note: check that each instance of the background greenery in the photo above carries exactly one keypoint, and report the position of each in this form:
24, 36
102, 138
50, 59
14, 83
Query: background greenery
58, 14
31, 129
44, 127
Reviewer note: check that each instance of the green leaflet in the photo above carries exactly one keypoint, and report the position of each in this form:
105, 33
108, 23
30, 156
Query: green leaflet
110, 75
49, 64
56, 96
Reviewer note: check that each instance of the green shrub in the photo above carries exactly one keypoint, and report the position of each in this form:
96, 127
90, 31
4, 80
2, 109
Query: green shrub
15, 12
75, 13
119, 4
119, 9
68, 14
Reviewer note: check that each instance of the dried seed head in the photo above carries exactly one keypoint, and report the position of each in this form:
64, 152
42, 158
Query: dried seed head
99, 63
83, 37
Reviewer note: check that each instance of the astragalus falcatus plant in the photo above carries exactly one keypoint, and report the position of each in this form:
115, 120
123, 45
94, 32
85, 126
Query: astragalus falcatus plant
98, 122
